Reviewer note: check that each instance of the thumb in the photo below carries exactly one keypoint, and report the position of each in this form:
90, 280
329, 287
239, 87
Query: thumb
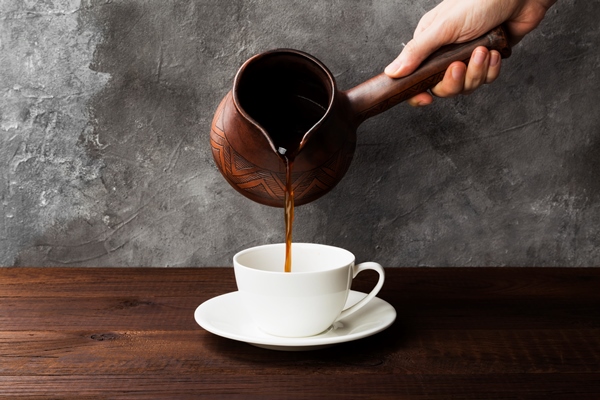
413, 54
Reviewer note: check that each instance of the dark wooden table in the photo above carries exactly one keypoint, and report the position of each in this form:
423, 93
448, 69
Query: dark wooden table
461, 333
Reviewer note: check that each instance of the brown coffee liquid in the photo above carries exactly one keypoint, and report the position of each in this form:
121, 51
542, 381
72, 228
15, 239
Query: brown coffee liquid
301, 115
288, 214
287, 96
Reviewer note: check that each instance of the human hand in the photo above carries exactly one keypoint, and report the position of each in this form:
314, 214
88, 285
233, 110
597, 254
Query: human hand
458, 21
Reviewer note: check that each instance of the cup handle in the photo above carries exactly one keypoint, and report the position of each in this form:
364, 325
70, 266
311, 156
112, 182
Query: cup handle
356, 270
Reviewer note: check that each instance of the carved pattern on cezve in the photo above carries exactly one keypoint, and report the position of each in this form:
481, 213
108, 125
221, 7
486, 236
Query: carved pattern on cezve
270, 185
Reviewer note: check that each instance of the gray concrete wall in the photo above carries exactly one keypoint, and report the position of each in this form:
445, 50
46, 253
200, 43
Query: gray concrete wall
105, 111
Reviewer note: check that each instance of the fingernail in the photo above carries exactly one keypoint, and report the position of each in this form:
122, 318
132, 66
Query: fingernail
479, 57
494, 59
457, 73
393, 68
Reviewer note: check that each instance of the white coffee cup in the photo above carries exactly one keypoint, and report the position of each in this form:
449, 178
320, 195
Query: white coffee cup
306, 301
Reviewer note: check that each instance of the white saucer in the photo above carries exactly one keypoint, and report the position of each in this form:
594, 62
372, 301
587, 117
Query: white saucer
225, 316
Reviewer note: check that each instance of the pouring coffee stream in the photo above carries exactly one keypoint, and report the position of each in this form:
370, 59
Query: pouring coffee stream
285, 135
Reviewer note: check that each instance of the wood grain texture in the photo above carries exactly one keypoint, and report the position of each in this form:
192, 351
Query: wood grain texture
469, 333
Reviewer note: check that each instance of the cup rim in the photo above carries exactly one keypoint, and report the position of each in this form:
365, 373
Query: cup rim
240, 253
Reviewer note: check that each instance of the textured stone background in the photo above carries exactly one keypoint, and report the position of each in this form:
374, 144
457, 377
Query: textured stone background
105, 110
